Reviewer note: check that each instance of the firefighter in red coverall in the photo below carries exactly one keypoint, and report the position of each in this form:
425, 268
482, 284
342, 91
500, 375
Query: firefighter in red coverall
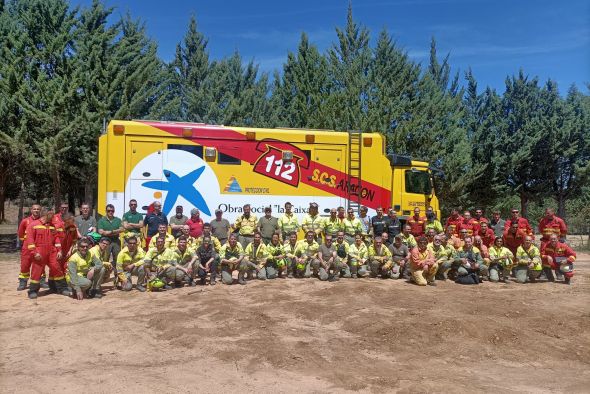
523, 224
469, 224
559, 257
514, 237
487, 234
68, 239
25, 254
417, 223
45, 248
551, 224
454, 221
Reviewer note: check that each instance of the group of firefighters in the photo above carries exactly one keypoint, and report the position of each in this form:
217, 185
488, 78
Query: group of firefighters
82, 253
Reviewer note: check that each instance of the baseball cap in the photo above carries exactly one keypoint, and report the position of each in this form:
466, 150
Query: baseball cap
218, 211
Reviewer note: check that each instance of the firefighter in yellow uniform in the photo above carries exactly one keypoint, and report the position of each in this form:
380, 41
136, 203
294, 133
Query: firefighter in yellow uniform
352, 226
276, 262
169, 240
342, 258
333, 224
232, 256
185, 260
255, 257
313, 221
207, 233
159, 263
501, 261
102, 252
290, 248
129, 263
528, 262
358, 253
191, 242
306, 256
85, 272
246, 225
444, 254
288, 222
380, 260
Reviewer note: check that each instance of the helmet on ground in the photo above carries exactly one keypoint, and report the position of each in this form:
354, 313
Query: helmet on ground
156, 283
300, 267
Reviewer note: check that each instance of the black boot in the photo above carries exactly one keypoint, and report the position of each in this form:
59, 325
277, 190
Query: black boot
549, 274
34, 290
22, 284
241, 279
52, 286
43, 282
62, 288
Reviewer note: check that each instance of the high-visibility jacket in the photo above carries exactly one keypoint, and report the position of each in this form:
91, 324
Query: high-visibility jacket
352, 226
288, 223
526, 256
417, 224
22, 227
501, 255
160, 258
79, 265
523, 225
358, 252
124, 258
182, 258
42, 237
214, 241
560, 250
170, 241
313, 223
256, 253
307, 249
229, 253
556, 226
455, 223
331, 227
246, 225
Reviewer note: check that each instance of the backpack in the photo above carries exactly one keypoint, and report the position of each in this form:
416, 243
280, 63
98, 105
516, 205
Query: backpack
469, 279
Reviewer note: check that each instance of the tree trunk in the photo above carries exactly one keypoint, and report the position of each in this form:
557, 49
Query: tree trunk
561, 205
56, 189
21, 201
524, 203
72, 200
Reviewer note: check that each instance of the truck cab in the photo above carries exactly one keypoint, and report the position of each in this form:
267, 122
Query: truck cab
412, 186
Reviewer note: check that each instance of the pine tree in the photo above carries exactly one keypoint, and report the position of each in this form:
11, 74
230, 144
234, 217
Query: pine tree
393, 81
349, 62
522, 142
299, 94
191, 68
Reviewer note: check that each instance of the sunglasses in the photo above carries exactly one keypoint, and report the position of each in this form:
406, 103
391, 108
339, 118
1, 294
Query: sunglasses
110, 210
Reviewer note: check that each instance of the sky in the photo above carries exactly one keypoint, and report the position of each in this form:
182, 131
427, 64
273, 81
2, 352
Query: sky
496, 38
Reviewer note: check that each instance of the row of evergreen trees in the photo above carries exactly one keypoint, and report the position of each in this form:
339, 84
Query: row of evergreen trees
64, 71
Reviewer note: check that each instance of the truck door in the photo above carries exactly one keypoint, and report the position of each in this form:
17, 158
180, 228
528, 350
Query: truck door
329, 167
417, 190
150, 155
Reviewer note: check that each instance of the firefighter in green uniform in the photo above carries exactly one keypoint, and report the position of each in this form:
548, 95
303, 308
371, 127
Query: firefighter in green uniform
129, 263
358, 253
306, 256
276, 262
232, 256
85, 272
255, 259
342, 258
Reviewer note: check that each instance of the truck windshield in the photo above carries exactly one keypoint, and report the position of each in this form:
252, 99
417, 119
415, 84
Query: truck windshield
418, 182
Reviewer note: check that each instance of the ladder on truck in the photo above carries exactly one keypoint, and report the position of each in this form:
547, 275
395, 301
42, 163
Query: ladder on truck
354, 170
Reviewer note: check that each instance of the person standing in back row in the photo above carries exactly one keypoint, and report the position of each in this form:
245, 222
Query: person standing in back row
246, 226
220, 227
85, 223
153, 220
111, 226
268, 225
177, 221
288, 223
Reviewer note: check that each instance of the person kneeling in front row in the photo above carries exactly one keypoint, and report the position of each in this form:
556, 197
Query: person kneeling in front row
85, 271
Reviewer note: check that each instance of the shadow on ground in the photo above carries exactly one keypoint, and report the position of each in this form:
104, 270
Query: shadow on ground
7, 243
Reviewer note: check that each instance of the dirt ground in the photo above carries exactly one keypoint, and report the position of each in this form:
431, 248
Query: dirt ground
291, 335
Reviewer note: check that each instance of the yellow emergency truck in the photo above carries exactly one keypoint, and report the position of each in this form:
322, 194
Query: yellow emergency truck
217, 167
